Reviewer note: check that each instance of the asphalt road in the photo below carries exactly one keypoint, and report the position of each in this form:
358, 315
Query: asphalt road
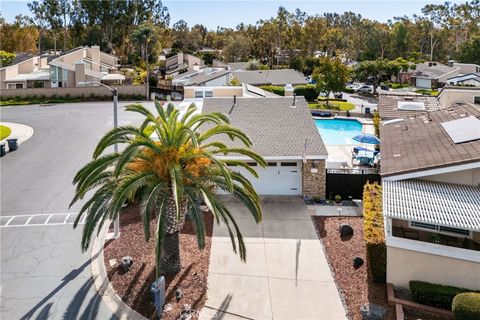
44, 274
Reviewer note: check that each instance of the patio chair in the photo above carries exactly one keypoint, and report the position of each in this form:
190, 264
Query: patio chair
409, 234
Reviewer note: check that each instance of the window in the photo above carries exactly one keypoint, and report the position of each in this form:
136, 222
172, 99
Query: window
198, 94
208, 94
272, 164
440, 229
288, 164
252, 164
476, 100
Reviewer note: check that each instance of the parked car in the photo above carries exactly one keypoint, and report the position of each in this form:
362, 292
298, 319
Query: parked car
338, 95
384, 87
353, 85
364, 89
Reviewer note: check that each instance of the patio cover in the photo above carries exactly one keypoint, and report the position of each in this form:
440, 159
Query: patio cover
444, 204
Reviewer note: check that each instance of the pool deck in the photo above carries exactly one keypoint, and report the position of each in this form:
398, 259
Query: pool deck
340, 156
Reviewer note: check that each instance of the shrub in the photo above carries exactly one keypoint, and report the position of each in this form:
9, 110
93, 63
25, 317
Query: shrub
275, 89
466, 306
338, 198
373, 230
376, 122
435, 295
309, 91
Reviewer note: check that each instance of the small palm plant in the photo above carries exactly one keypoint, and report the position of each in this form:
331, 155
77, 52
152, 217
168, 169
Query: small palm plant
169, 177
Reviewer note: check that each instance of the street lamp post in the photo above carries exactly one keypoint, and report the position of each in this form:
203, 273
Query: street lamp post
114, 91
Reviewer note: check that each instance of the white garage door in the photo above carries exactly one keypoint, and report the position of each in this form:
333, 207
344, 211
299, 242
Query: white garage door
279, 178
423, 83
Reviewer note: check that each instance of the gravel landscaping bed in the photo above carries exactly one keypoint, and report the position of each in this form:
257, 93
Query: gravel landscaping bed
133, 287
355, 287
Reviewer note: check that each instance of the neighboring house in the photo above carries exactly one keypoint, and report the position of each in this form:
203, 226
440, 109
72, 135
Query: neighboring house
280, 77
283, 131
203, 77
182, 62
162, 56
398, 105
470, 79
465, 68
70, 69
246, 90
431, 197
237, 66
453, 95
430, 75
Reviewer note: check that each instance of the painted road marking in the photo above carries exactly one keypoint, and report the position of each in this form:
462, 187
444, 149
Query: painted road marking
60, 219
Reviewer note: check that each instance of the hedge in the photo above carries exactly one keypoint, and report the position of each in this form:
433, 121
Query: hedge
435, 295
275, 89
373, 229
466, 306
309, 91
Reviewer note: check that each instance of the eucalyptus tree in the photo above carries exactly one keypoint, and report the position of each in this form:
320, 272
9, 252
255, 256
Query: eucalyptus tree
170, 177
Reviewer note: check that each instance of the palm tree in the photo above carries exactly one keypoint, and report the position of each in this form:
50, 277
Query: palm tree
143, 36
170, 177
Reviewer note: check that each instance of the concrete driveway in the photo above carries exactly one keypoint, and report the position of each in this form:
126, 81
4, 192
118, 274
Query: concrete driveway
286, 275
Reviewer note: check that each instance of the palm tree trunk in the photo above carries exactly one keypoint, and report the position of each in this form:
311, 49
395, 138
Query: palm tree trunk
170, 259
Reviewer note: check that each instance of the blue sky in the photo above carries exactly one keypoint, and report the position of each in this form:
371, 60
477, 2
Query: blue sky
213, 13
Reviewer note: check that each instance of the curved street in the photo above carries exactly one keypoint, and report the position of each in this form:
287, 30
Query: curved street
44, 274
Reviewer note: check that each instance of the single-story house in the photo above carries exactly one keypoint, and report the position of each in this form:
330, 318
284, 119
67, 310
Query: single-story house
470, 79
245, 90
280, 77
398, 105
283, 131
431, 197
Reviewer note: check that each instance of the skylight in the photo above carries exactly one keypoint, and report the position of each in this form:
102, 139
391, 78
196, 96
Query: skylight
463, 130
411, 106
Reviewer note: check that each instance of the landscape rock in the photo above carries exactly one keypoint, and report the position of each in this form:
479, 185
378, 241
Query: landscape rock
357, 262
345, 230
372, 311
127, 263
178, 294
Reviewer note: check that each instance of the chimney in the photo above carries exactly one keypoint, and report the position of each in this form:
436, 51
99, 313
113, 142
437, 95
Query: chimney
294, 101
288, 90
95, 56
79, 72
234, 104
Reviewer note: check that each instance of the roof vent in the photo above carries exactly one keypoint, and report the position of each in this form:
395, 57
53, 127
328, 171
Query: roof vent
408, 98
234, 104
294, 102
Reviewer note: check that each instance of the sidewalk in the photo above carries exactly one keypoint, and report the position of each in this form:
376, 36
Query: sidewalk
19, 131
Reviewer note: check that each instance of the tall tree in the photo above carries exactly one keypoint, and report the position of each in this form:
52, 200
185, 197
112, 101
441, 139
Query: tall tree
170, 177
331, 75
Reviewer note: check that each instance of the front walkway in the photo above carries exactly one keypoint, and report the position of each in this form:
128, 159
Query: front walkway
286, 275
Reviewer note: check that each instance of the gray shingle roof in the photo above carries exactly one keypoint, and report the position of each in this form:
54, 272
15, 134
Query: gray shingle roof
270, 77
234, 66
201, 78
388, 105
274, 127
420, 143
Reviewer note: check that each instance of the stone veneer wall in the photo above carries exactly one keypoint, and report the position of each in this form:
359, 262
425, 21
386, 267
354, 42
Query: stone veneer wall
314, 183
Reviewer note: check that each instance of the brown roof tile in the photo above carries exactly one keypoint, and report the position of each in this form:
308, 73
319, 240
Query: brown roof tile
417, 144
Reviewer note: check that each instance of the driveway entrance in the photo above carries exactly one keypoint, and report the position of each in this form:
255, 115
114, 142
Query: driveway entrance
286, 275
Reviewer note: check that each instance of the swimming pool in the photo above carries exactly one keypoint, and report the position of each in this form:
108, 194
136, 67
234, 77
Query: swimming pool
339, 131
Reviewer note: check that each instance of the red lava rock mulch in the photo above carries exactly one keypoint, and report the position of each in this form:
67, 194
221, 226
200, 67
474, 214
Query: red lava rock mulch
133, 287
354, 285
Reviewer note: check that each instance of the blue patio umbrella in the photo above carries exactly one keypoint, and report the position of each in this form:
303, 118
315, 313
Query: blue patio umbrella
367, 138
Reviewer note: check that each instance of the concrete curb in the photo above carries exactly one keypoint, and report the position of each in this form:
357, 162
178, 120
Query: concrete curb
21, 132
103, 285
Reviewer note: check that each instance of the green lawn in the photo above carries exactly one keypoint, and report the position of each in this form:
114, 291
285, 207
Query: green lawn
37, 101
4, 132
428, 91
333, 105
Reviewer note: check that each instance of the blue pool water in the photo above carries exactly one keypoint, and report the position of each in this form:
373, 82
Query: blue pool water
339, 131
